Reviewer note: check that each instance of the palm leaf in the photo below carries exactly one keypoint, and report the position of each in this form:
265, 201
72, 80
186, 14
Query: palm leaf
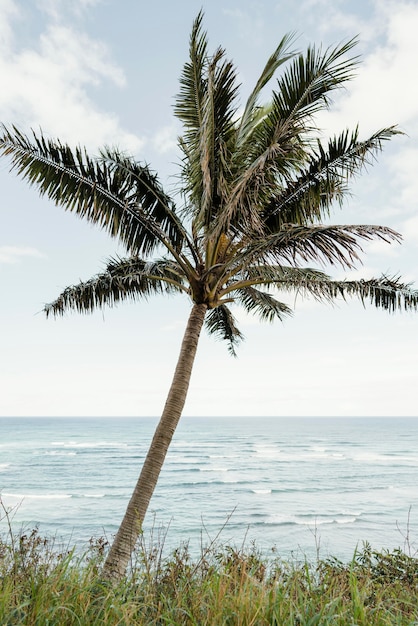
146, 185
262, 303
137, 212
163, 270
324, 180
188, 105
215, 136
279, 56
333, 244
124, 279
388, 293
282, 277
276, 145
306, 85
221, 323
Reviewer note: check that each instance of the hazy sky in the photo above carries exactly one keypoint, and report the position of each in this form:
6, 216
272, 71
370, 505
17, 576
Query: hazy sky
100, 72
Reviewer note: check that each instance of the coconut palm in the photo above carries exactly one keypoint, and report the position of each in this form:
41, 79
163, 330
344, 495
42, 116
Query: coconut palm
256, 188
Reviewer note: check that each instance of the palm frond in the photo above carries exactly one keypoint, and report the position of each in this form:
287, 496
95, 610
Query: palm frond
262, 303
280, 55
306, 85
309, 197
282, 274
215, 134
330, 244
163, 270
138, 213
206, 106
271, 154
188, 108
283, 277
274, 159
388, 293
189, 102
146, 187
277, 144
221, 323
124, 279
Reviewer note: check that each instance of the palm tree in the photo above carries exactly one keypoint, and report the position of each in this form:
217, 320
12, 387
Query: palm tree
256, 190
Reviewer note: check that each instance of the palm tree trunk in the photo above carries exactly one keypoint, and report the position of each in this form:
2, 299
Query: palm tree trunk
130, 528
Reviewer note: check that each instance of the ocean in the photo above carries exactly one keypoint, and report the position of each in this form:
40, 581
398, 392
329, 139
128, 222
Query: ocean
297, 486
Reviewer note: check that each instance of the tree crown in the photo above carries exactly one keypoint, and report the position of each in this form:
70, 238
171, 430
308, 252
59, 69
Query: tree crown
256, 182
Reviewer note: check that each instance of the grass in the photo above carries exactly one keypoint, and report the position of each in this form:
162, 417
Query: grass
41, 585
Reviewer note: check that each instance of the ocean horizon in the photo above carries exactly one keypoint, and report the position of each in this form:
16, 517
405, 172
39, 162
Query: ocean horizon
297, 485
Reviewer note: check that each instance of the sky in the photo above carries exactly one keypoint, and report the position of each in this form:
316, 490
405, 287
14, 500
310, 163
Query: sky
105, 72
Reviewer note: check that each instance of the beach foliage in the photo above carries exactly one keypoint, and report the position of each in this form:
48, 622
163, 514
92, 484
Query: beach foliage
44, 585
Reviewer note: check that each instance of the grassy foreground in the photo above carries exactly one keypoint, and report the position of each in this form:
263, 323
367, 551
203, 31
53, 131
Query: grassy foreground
43, 586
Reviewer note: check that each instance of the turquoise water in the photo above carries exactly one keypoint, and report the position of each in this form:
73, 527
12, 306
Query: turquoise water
295, 484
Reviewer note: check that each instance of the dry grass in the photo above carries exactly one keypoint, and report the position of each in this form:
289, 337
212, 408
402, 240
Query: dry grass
41, 585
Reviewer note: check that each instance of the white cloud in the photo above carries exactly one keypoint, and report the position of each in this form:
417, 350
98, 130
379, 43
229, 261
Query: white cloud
336, 21
56, 8
165, 139
384, 92
410, 230
344, 19
404, 165
8, 12
381, 248
46, 85
249, 26
14, 254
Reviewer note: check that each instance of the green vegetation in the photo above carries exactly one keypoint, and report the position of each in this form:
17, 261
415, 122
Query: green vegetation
43, 586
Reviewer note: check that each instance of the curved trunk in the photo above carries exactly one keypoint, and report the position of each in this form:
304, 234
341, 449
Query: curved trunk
130, 528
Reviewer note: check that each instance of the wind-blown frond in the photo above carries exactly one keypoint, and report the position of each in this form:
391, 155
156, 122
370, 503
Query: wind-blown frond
188, 106
137, 212
385, 292
388, 293
215, 135
206, 106
280, 55
333, 244
281, 274
148, 193
263, 304
309, 197
124, 279
221, 323
305, 86
163, 270
276, 146
281, 277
